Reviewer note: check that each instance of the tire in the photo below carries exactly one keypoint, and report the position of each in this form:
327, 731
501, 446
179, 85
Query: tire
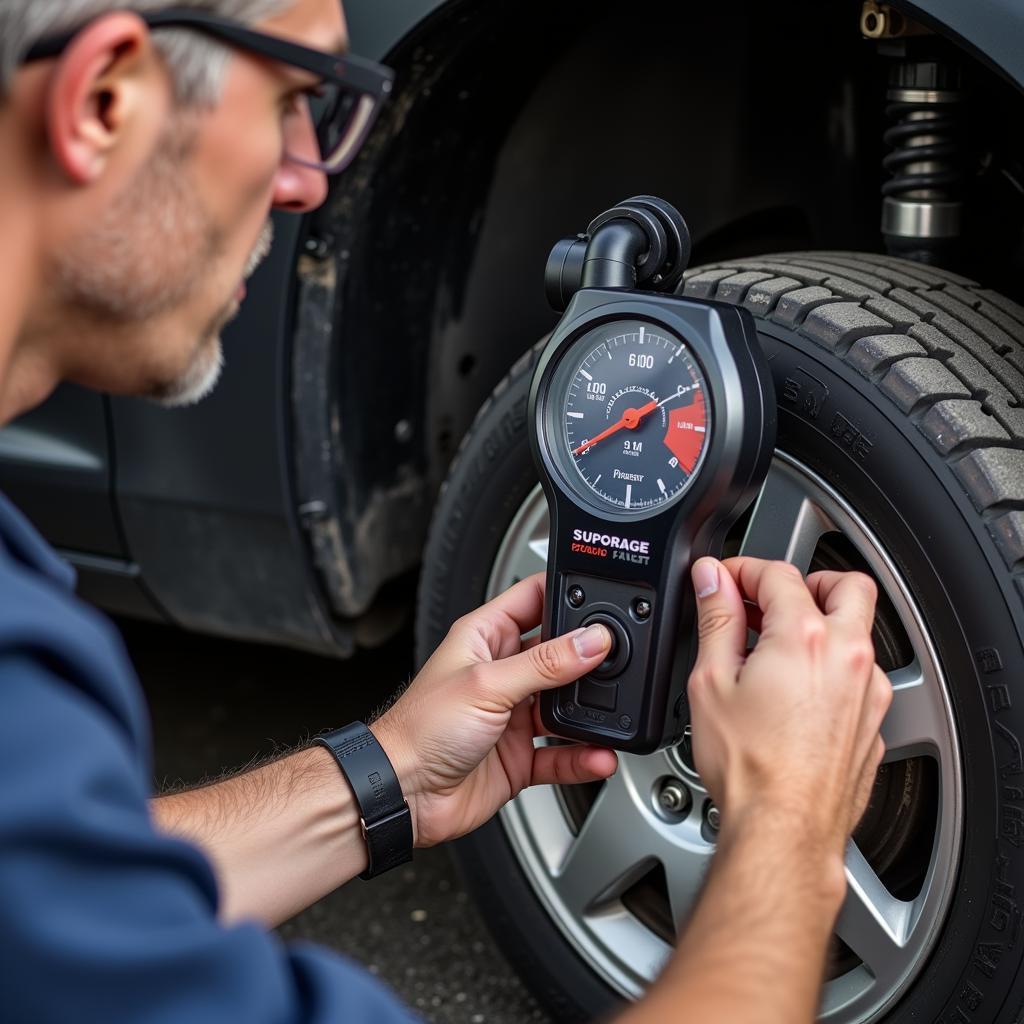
900, 391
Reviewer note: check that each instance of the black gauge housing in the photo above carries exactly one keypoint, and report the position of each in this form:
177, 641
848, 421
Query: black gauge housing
628, 567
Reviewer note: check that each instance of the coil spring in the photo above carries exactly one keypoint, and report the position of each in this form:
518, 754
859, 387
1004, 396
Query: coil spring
925, 158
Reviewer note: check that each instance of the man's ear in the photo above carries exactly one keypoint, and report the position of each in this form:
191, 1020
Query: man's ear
108, 82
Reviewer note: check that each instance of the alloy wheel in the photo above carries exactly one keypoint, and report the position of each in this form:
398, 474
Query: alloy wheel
619, 864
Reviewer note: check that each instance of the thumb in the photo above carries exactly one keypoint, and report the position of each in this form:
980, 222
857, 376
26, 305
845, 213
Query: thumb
721, 620
552, 663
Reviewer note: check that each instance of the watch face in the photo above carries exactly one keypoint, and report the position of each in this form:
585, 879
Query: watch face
626, 417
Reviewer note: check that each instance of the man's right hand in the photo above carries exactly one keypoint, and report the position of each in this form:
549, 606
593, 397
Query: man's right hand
792, 728
786, 739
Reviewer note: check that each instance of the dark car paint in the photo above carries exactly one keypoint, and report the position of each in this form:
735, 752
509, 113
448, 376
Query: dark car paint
211, 517
58, 449
990, 29
194, 515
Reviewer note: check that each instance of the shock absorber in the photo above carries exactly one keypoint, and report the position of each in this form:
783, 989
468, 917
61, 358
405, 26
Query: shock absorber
922, 200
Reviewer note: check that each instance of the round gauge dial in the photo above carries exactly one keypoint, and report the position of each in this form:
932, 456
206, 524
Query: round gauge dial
628, 416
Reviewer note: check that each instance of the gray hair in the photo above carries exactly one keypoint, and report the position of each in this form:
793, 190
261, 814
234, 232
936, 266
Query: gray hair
196, 61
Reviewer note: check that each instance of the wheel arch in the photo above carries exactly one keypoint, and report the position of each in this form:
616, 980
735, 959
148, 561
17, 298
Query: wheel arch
988, 29
416, 290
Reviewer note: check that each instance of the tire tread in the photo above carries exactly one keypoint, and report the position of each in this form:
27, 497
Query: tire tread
945, 351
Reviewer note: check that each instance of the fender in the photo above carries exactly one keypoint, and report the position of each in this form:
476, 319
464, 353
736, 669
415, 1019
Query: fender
990, 29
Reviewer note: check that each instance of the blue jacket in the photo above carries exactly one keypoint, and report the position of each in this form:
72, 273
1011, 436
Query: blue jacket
101, 917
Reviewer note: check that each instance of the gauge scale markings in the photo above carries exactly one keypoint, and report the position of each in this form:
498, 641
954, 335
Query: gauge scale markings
622, 417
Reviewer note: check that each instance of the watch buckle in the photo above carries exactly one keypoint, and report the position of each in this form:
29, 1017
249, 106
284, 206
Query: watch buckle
367, 829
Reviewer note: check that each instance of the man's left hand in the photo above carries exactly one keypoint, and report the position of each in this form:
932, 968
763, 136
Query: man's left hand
461, 737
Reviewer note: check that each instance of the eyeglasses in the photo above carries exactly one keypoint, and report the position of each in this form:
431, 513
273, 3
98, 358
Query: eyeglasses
344, 104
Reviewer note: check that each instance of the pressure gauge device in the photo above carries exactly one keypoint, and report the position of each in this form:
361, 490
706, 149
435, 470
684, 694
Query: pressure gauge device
652, 424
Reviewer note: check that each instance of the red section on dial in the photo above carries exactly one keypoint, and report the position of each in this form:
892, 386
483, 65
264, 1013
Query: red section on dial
684, 437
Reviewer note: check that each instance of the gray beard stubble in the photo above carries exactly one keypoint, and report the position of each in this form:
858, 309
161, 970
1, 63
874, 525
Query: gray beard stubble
149, 250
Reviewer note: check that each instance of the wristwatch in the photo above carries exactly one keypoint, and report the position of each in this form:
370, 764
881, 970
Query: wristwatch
385, 818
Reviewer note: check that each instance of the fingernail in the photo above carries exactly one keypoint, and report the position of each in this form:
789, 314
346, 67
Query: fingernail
592, 641
705, 577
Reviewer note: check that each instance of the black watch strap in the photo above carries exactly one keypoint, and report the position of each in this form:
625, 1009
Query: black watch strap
384, 813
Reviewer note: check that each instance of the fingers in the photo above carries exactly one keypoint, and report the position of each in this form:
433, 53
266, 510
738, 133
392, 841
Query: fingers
877, 699
755, 617
721, 620
870, 747
847, 596
522, 605
866, 782
777, 588
539, 728
567, 766
564, 659
523, 602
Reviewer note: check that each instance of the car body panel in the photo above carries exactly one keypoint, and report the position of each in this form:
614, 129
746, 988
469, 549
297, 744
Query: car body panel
991, 29
58, 457
204, 494
375, 28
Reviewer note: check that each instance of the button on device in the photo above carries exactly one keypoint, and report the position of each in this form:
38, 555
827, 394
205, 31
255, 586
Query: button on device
601, 696
618, 657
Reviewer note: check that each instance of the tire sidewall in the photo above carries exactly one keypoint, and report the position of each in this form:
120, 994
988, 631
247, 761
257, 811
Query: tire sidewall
836, 424
881, 464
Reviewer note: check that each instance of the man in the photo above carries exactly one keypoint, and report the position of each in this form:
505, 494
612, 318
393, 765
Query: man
138, 165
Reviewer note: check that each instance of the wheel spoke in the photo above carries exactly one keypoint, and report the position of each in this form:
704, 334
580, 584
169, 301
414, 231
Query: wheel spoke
785, 523
684, 873
530, 558
606, 857
913, 724
529, 554
675, 843
872, 922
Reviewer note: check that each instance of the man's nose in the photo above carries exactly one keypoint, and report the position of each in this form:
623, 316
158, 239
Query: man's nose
299, 189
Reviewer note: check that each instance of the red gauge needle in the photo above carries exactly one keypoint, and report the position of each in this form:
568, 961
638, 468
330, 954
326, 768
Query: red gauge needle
630, 420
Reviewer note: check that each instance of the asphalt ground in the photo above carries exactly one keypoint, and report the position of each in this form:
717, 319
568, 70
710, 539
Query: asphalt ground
218, 704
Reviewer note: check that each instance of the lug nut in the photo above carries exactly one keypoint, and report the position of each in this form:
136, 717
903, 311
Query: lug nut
576, 596
674, 797
714, 818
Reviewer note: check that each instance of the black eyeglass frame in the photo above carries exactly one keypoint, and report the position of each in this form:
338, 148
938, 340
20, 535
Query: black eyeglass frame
349, 73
